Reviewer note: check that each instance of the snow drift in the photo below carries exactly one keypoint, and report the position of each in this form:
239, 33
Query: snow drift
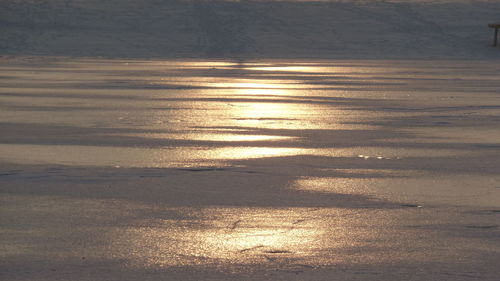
249, 29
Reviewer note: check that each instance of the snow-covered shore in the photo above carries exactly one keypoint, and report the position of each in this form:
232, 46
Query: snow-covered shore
249, 29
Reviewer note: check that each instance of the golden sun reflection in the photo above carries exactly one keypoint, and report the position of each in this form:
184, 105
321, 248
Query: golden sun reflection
261, 103
296, 68
251, 84
265, 111
254, 152
344, 185
230, 235
234, 235
210, 136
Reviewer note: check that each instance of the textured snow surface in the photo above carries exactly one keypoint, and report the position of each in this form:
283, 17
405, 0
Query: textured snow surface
249, 29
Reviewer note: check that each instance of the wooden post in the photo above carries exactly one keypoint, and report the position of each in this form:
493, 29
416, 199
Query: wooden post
496, 26
496, 36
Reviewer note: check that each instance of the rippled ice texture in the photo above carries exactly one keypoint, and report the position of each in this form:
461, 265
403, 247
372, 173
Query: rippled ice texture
249, 170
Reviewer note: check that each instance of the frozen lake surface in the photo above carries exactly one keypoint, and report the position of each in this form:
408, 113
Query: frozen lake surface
249, 170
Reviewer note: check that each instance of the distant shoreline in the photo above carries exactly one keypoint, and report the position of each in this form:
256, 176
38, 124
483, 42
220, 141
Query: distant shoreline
250, 29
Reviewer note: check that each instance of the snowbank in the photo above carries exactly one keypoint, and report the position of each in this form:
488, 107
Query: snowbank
249, 29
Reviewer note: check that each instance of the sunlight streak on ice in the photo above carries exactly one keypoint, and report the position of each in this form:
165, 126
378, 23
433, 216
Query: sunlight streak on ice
240, 236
